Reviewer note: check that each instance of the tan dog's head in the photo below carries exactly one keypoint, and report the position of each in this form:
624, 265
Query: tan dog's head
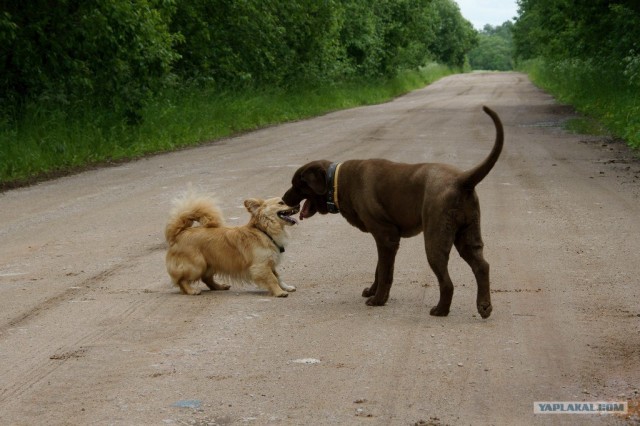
271, 213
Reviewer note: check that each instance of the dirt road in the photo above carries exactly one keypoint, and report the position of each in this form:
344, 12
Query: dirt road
92, 332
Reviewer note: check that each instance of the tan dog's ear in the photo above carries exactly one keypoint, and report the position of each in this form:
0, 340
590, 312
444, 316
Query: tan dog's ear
253, 204
316, 177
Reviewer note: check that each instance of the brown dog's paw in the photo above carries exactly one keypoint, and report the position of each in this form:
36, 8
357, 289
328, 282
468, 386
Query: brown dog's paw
484, 309
370, 291
373, 301
438, 311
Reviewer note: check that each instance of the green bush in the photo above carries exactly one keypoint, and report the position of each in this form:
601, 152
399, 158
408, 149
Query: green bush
587, 53
52, 141
597, 92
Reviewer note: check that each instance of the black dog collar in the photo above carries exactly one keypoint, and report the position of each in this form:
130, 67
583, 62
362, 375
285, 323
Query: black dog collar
332, 185
272, 240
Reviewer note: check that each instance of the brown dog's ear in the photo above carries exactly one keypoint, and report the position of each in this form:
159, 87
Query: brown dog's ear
253, 204
316, 177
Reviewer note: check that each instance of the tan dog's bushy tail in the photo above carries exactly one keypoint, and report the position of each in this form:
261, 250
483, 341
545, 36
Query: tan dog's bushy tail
189, 209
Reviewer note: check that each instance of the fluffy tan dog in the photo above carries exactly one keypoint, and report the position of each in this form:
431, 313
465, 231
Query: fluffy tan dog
201, 246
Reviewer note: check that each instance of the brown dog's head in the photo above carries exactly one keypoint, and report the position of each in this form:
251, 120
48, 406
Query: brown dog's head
309, 183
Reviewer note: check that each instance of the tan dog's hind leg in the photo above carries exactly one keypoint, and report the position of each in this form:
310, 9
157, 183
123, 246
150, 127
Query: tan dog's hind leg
185, 270
185, 287
214, 286
263, 276
207, 278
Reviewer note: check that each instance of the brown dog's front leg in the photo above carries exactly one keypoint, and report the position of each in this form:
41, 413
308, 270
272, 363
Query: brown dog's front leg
387, 248
370, 291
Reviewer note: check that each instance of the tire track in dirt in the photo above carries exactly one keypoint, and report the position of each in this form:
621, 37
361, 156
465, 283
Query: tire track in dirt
73, 292
44, 363
57, 300
45, 360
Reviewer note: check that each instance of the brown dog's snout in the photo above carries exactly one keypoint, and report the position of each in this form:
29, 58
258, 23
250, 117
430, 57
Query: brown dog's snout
292, 198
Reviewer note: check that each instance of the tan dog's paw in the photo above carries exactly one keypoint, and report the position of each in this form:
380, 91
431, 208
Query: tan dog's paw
289, 288
214, 286
219, 287
186, 288
283, 294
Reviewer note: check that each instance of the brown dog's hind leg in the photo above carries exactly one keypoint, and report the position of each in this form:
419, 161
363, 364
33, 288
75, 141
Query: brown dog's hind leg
387, 243
469, 245
438, 246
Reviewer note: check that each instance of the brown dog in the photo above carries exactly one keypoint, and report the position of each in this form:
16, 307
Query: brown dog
392, 200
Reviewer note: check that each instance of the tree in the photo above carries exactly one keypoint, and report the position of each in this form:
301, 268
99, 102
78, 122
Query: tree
117, 53
455, 36
494, 50
606, 31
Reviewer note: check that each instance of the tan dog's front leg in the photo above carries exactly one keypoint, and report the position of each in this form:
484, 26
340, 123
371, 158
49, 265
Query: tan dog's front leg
285, 287
263, 275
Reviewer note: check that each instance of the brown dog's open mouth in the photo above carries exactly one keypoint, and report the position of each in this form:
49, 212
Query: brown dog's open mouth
308, 209
286, 215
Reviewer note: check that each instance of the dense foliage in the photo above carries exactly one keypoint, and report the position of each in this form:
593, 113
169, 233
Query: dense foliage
119, 53
586, 52
604, 31
83, 82
495, 48
115, 53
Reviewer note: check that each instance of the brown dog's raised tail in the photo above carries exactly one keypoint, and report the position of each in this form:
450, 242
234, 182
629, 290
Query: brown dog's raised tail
471, 178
